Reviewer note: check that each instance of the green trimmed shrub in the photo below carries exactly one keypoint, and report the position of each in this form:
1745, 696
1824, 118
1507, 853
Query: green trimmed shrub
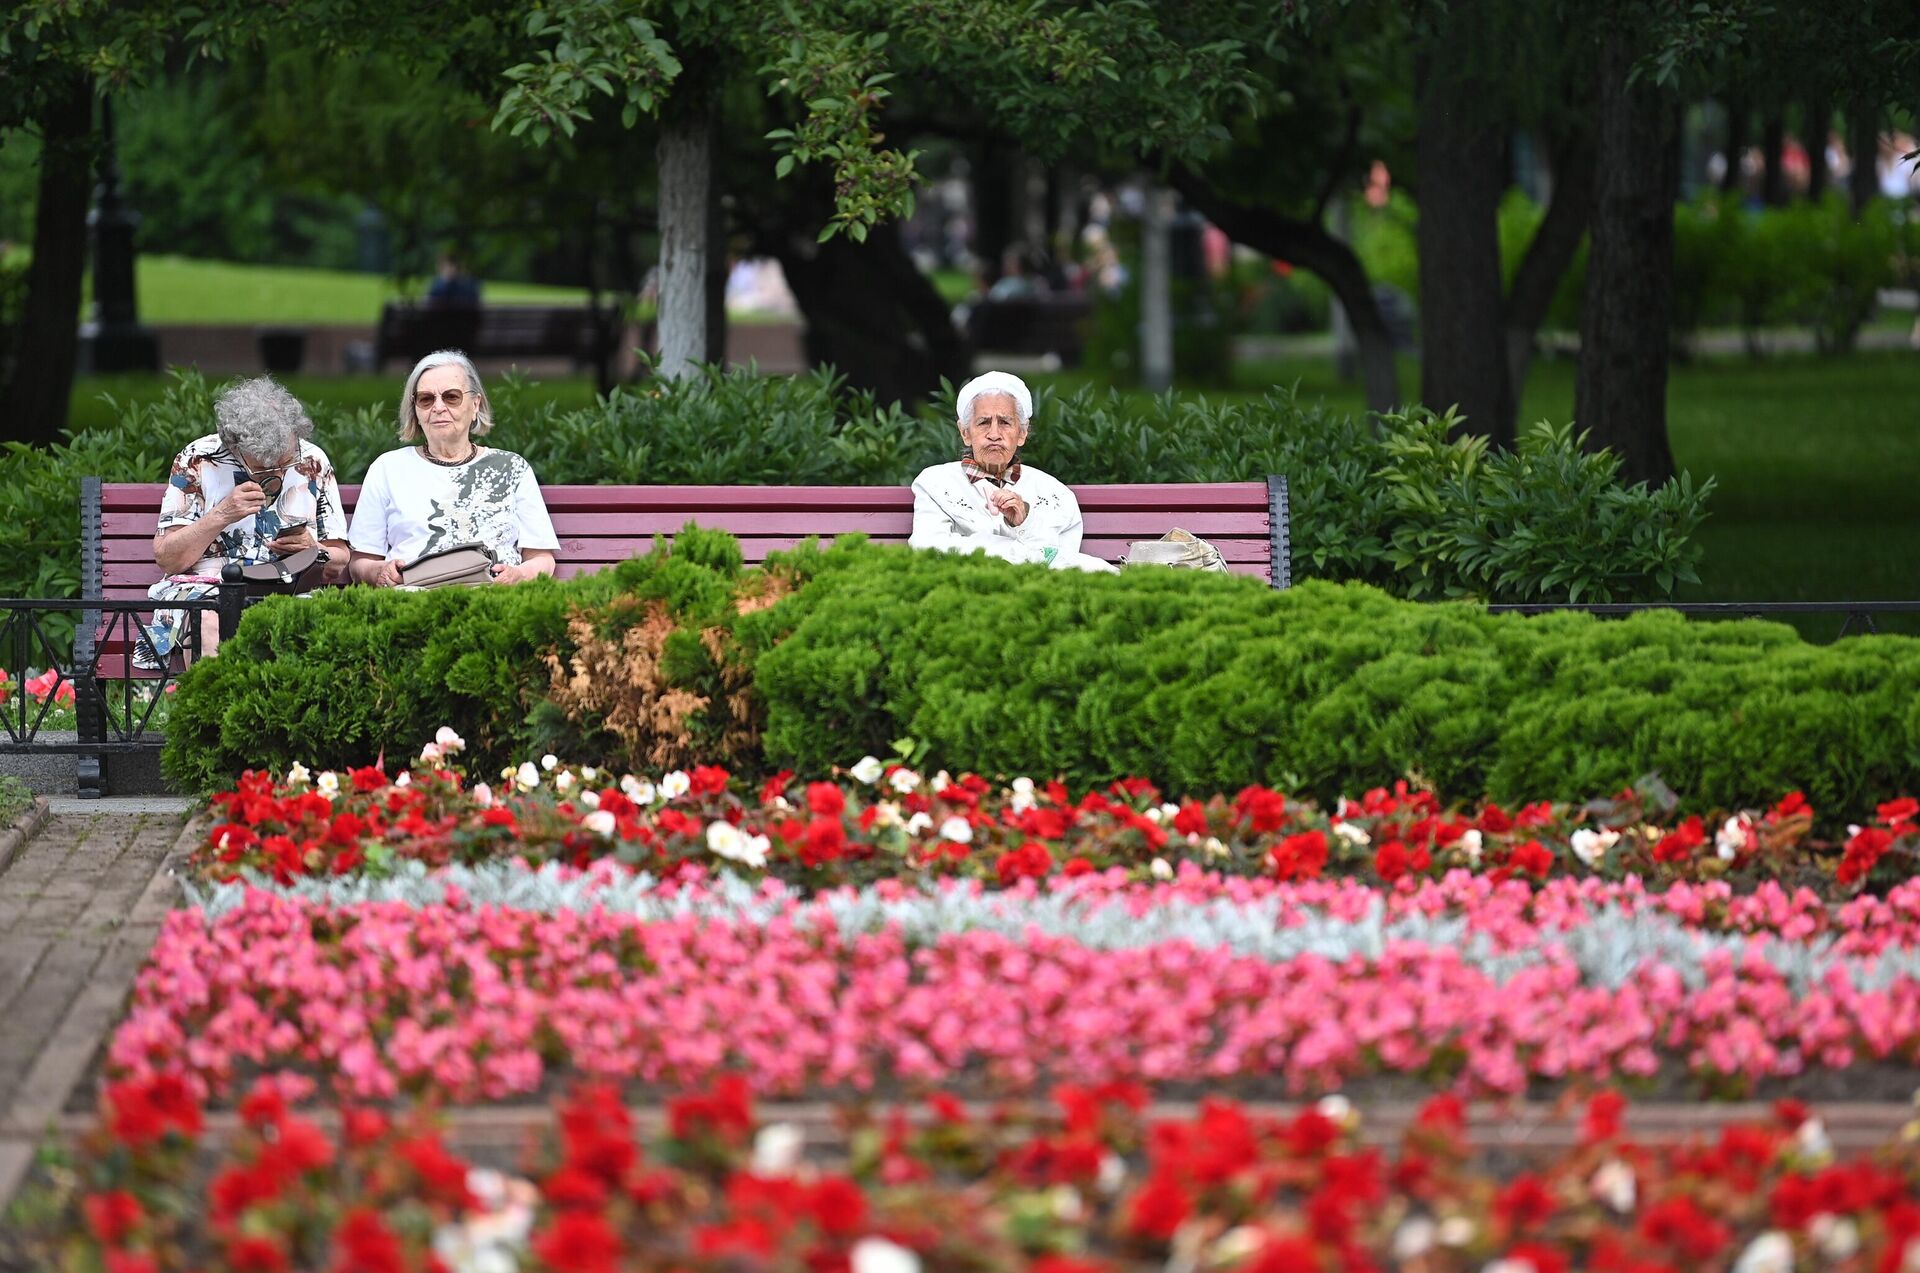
1206, 683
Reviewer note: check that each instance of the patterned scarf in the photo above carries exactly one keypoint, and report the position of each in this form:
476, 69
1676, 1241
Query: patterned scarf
976, 474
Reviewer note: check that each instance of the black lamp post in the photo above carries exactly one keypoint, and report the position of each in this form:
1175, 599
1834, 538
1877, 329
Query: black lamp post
112, 338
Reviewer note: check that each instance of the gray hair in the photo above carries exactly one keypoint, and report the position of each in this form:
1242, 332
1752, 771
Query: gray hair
410, 420
259, 420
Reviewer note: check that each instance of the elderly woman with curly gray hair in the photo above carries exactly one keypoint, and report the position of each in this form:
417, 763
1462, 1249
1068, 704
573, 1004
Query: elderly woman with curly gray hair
254, 490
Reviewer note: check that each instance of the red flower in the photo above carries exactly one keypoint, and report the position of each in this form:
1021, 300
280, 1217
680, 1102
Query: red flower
1897, 813
826, 799
571, 1187
1679, 1225
1030, 861
580, 1242
1544, 1259
725, 1112
1865, 848
773, 788
1299, 857
1285, 1254
496, 816
111, 1216
1604, 1113
256, 1254
837, 1206
1191, 820
708, 780
1678, 845
1533, 858
1263, 808
371, 778
140, 1112
1075, 866
131, 1261
366, 1245
1160, 1207
443, 1176
826, 841
363, 1126
1390, 861
1793, 803
1524, 1203
1069, 1264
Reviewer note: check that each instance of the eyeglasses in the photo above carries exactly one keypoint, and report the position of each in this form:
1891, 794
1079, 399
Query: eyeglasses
268, 480
423, 401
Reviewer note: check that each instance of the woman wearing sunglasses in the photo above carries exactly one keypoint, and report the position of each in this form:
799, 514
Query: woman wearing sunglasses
254, 490
444, 490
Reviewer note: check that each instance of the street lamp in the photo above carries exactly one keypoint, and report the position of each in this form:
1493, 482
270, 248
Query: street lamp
112, 338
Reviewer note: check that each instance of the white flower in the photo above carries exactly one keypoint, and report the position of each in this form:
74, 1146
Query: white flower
1613, 1184
589, 798
526, 776
563, 782
1113, 1174
299, 775
941, 781
1414, 1238
676, 784
1590, 845
1237, 1244
1212, 847
1160, 869
1455, 1231
589, 772
904, 780
755, 855
328, 784
957, 829
877, 1255
1729, 840
448, 740
1838, 1237
639, 790
1156, 817
1812, 1143
549, 762
1338, 1109
1068, 1206
1352, 834
483, 795
404, 780
1771, 1252
867, 771
431, 753
725, 839
777, 1149
1340, 808
600, 822
1504, 1265
919, 822
1470, 844
886, 814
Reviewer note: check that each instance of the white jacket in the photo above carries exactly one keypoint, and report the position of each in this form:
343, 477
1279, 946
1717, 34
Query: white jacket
950, 512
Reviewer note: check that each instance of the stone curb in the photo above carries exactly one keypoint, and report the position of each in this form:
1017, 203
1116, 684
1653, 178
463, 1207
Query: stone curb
64, 1060
24, 828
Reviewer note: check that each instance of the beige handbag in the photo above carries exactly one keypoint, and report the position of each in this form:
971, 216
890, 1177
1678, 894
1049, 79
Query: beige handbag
462, 566
1176, 548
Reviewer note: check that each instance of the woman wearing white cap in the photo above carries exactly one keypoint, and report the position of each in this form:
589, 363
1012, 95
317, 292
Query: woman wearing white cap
988, 501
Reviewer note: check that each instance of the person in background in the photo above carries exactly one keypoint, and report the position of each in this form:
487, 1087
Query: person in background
452, 286
988, 500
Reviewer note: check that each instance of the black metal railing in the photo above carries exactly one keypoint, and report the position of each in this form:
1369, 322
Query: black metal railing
112, 714
1862, 612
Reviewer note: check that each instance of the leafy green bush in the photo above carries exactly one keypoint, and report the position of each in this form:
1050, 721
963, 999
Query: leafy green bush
1208, 682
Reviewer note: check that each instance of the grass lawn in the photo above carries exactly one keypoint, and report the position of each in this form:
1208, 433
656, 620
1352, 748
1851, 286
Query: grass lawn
176, 289
1816, 460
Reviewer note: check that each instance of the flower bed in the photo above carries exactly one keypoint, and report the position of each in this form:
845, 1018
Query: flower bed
884, 821
1096, 1189
481, 984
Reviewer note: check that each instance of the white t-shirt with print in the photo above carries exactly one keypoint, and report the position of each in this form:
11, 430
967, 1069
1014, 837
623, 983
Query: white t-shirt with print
205, 472
410, 507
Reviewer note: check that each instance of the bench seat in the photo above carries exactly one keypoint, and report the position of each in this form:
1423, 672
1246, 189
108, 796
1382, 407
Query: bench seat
601, 525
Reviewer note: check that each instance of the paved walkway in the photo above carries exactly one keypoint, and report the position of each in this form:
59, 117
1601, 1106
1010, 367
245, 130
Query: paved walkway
79, 907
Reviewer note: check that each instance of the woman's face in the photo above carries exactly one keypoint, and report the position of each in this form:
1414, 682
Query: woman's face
995, 432
443, 421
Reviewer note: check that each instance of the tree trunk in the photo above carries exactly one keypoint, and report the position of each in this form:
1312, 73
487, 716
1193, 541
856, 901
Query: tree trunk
1620, 398
687, 247
870, 312
1737, 115
1773, 177
1863, 143
33, 406
1818, 117
993, 177
1458, 164
1309, 246
1548, 255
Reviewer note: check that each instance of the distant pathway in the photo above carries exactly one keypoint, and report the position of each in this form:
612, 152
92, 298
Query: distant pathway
80, 905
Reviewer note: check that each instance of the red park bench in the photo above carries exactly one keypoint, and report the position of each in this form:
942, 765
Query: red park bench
597, 526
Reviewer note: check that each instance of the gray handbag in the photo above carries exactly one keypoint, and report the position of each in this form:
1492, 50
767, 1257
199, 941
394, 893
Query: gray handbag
462, 566
1177, 548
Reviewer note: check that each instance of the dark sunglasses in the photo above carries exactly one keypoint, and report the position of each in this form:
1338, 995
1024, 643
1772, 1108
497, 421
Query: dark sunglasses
423, 401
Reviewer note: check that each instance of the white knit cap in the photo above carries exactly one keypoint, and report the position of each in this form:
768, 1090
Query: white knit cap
996, 382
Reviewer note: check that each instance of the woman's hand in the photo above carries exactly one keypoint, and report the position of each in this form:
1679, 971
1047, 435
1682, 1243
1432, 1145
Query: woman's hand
514, 574
241, 503
293, 539
1009, 505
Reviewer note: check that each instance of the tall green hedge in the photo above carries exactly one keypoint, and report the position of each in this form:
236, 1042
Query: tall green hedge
1389, 501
